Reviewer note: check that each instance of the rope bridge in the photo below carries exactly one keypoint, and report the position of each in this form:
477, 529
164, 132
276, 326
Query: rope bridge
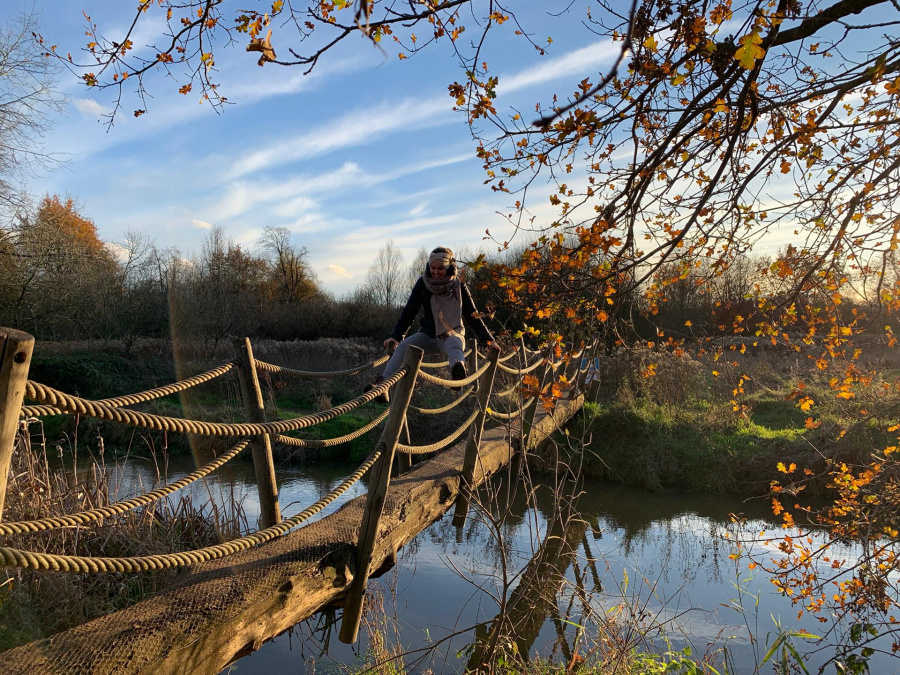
506, 405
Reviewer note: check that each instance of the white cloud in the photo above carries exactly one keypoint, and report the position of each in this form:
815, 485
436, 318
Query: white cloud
574, 63
89, 107
339, 271
356, 128
201, 224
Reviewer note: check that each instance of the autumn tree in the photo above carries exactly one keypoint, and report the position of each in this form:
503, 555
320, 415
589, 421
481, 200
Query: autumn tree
56, 268
718, 127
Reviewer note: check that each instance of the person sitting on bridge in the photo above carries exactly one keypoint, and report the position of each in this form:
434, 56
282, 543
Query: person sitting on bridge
447, 304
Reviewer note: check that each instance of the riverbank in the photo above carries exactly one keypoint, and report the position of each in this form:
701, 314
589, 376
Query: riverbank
723, 423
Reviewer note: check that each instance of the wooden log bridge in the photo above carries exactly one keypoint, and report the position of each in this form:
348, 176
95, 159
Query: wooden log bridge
222, 609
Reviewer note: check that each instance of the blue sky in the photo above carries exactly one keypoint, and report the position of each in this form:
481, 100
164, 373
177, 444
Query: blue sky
365, 149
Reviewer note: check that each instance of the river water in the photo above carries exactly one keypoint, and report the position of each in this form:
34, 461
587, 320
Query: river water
634, 563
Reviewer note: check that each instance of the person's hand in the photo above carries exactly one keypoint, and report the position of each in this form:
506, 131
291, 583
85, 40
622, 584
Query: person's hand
390, 344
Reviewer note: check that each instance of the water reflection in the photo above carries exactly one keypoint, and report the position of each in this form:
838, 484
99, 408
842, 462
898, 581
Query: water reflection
658, 564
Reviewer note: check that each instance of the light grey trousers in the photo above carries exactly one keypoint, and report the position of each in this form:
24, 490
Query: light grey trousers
451, 347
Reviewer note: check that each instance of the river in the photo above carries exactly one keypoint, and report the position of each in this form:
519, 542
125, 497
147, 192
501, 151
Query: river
633, 560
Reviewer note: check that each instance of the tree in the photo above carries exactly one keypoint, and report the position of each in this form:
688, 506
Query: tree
384, 280
290, 276
27, 101
719, 125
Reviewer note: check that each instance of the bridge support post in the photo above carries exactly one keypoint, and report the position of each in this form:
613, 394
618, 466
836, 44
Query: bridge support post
588, 359
529, 413
473, 443
260, 446
15, 357
404, 460
472, 360
378, 488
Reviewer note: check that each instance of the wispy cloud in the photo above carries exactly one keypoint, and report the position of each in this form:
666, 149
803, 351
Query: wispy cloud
89, 107
576, 63
356, 128
339, 271
201, 224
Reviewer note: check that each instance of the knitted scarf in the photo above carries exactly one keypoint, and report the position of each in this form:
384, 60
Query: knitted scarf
446, 303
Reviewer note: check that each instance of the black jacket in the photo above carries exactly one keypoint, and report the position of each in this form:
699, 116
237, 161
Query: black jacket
421, 297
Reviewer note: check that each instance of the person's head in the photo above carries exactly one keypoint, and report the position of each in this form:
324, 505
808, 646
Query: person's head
441, 263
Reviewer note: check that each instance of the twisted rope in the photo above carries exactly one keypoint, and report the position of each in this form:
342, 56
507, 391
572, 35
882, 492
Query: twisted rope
332, 442
12, 557
520, 371
504, 416
509, 392
439, 445
442, 364
450, 406
141, 396
98, 514
455, 383
316, 375
74, 404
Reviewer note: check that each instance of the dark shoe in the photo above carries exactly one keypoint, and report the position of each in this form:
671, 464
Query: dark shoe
458, 373
383, 397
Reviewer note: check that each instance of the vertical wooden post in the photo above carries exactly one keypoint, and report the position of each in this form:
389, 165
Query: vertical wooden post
404, 460
474, 442
260, 446
588, 356
472, 361
528, 415
15, 357
378, 487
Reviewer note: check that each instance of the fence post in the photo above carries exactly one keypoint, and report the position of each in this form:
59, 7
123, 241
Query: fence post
378, 487
529, 413
588, 355
474, 442
260, 446
404, 460
472, 361
15, 357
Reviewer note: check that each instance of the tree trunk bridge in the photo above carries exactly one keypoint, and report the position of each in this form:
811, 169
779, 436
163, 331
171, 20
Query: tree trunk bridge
219, 610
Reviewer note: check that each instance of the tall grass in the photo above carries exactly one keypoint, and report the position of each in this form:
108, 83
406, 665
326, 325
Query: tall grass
38, 604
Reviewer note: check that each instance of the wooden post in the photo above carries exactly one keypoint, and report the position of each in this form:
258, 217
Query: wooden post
260, 446
15, 357
528, 415
588, 355
378, 487
474, 442
404, 460
472, 361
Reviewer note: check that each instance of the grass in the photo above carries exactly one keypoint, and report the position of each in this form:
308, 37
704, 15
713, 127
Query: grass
34, 605
688, 428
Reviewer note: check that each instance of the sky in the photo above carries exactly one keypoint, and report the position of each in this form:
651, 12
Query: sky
365, 149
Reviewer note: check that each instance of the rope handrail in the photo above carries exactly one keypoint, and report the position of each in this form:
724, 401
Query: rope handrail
455, 383
318, 375
331, 442
442, 364
509, 392
118, 508
505, 416
74, 404
520, 371
141, 396
450, 406
12, 557
441, 444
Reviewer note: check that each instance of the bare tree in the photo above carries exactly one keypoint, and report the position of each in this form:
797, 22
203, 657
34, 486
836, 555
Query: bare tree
385, 277
27, 101
417, 266
290, 276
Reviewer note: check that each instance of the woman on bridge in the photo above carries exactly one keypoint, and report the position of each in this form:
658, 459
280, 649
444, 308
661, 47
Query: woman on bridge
448, 305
